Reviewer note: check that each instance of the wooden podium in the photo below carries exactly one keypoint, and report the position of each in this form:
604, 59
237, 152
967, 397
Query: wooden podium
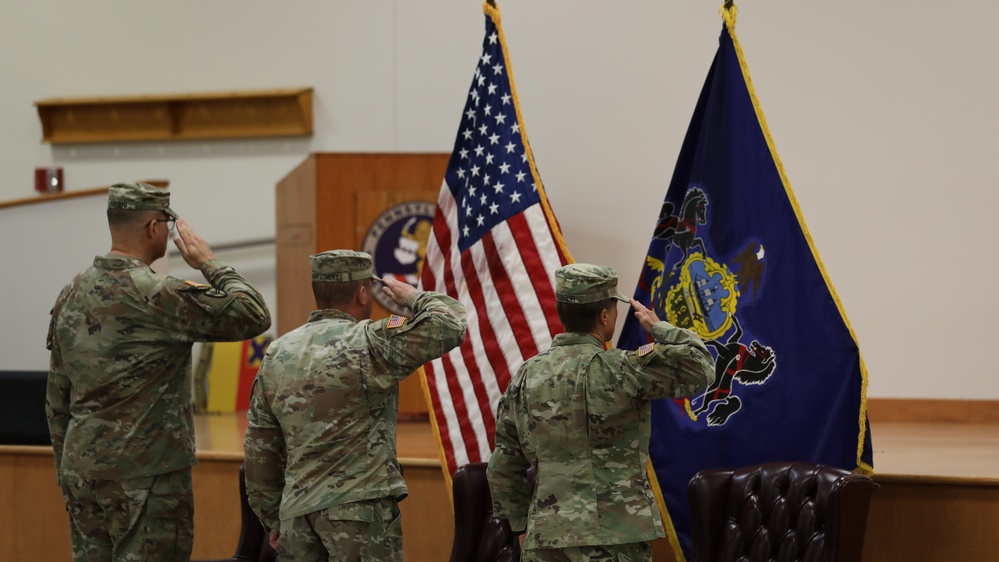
337, 201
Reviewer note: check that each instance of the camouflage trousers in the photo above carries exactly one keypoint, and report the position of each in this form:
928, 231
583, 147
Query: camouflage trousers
630, 552
138, 519
364, 531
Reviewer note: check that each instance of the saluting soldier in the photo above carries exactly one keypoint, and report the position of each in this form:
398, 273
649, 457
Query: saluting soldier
580, 415
321, 466
119, 386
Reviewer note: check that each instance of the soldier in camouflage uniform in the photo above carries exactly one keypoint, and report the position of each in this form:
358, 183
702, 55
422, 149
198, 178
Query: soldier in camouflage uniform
580, 415
119, 386
321, 466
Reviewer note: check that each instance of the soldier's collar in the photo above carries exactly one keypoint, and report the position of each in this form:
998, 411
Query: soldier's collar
330, 314
117, 261
576, 338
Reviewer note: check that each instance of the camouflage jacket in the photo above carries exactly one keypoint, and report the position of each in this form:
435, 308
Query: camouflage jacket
119, 386
322, 421
581, 416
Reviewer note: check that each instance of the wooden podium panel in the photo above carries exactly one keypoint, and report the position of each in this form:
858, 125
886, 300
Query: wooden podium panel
329, 202
369, 206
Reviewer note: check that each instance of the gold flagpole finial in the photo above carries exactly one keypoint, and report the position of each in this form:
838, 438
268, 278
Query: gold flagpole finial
728, 12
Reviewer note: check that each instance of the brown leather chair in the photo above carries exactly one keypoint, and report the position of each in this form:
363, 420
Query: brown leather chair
479, 536
253, 544
22, 408
779, 512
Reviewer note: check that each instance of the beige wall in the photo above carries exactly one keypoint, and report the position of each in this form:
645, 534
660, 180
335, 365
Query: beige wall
884, 114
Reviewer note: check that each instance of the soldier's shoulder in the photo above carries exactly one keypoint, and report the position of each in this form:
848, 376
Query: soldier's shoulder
539, 362
546, 355
615, 354
64, 295
612, 360
149, 282
293, 341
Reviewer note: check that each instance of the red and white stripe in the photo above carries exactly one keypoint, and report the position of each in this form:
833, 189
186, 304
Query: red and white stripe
506, 282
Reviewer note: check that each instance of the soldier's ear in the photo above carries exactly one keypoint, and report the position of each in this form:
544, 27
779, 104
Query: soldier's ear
363, 295
605, 316
148, 231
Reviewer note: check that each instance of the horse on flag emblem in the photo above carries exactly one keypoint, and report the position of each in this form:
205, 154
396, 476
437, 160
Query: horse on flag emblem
703, 294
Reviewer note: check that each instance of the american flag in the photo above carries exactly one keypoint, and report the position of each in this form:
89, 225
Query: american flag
495, 247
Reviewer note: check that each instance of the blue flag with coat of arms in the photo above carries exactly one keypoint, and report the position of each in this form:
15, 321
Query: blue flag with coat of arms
731, 259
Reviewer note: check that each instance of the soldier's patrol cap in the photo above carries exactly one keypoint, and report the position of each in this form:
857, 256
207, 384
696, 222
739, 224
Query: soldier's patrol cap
583, 283
137, 196
337, 266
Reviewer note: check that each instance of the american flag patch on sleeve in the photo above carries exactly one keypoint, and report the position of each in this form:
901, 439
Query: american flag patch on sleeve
395, 321
645, 349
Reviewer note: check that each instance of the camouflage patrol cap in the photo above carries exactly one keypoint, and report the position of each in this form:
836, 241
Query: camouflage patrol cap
337, 266
137, 196
582, 283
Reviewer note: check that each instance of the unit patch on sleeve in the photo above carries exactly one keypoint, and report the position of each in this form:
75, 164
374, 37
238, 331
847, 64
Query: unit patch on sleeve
206, 289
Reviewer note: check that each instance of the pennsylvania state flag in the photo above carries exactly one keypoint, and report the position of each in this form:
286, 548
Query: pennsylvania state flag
731, 258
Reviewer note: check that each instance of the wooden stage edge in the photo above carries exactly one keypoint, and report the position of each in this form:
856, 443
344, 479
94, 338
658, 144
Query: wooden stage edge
920, 410
938, 496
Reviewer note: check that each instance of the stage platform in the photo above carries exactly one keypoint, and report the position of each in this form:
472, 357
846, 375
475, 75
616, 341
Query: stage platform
938, 497
922, 451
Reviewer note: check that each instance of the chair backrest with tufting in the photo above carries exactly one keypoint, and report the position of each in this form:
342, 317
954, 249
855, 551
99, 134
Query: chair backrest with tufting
780, 512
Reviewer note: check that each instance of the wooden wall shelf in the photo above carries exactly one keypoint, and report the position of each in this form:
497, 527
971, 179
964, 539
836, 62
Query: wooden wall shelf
265, 113
46, 197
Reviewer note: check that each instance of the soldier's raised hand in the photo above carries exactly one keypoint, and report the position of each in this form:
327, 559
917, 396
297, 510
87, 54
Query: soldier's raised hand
647, 318
397, 290
195, 251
